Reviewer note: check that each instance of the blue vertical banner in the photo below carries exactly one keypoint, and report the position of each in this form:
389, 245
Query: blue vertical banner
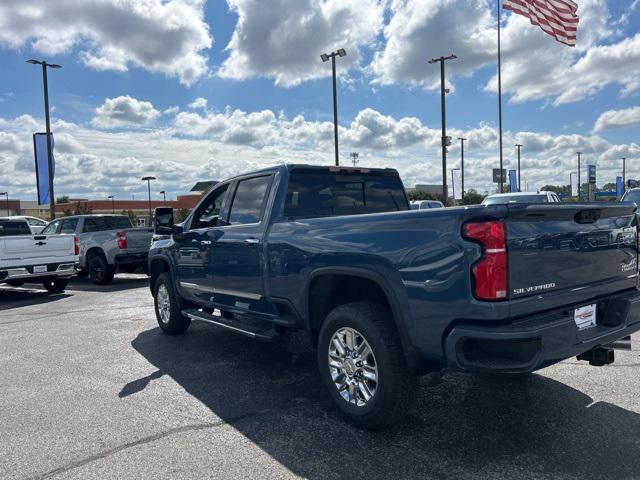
42, 166
513, 181
619, 191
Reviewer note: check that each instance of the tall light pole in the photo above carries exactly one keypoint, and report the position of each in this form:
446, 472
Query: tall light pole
7, 195
164, 196
579, 185
445, 140
148, 180
113, 208
354, 158
44, 64
624, 174
519, 146
325, 58
462, 140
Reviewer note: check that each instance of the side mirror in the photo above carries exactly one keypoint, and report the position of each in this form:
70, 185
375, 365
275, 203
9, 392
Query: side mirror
163, 221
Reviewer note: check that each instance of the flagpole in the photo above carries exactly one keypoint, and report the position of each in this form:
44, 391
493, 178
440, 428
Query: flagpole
500, 100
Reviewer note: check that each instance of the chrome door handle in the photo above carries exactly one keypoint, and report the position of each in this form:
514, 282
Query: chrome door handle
251, 241
205, 242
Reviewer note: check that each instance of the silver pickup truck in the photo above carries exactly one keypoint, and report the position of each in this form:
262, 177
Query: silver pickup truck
28, 258
108, 243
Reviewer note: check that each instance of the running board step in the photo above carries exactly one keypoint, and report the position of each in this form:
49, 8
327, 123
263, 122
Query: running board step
267, 335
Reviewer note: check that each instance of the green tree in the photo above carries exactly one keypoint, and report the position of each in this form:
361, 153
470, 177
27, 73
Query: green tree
472, 197
62, 199
181, 215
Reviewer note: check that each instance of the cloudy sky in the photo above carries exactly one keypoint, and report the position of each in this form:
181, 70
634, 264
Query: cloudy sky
189, 90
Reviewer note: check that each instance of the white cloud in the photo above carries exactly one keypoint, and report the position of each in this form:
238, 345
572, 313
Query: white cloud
124, 111
166, 36
199, 102
423, 29
284, 40
617, 118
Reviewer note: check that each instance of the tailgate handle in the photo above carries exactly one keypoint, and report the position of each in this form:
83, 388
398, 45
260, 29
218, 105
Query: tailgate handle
588, 216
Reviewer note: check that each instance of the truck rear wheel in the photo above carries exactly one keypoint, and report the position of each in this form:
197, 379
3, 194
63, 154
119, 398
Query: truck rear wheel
56, 285
361, 361
100, 271
168, 306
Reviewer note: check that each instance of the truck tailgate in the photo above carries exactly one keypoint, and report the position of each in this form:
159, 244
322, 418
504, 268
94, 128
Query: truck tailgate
570, 247
29, 250
138, 239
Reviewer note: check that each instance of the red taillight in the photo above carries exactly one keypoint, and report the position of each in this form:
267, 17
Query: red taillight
122, 239
76, 246
490, 272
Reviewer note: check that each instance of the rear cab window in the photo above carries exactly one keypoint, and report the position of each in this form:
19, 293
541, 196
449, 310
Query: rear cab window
317, 193
12, 228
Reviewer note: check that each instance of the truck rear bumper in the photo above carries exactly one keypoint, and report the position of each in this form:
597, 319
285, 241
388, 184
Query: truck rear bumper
531, 343
131, 259
26, 274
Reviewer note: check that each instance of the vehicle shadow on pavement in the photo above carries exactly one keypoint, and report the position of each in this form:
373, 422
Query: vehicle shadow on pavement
463, 426
120, 282
11, 297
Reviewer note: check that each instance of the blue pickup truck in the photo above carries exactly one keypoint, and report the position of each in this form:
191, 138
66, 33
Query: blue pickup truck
386, 293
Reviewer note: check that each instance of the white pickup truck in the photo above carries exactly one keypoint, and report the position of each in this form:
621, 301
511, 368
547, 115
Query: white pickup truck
26, 258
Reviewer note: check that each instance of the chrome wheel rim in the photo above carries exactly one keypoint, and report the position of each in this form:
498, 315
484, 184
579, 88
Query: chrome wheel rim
164, 304
353, 366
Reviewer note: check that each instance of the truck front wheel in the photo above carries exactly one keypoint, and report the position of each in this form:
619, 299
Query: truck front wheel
168, 307
361, 361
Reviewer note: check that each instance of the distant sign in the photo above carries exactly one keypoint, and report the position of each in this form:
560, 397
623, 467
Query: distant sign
496, 175
592, 174
456, 182
41, 154
513, 181
573, 179
619, 189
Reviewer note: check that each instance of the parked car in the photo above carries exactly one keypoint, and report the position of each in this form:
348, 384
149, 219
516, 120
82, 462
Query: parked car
385, 293
28, 258
35, 224
632, 195
422, 204
108, 243
521, 197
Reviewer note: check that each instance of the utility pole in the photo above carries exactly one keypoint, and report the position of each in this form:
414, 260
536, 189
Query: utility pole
519, 146
624, 172
354, 158
462, 140
445, 140
325, 57
113, 208
44, 64
579, 186
164, 196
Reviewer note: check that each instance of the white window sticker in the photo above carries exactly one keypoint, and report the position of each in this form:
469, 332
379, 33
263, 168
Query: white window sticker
585, 317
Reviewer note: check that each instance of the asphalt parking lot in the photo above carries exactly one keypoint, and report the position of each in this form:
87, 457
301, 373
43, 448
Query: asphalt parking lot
90, 388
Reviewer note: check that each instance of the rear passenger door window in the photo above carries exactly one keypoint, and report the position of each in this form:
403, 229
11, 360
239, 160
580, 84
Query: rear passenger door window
248, 202
69, 225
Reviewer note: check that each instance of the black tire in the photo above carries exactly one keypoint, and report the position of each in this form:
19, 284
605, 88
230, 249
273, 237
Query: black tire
15, 283
56, 285
100, 271
174, 323
84, 273
395, 388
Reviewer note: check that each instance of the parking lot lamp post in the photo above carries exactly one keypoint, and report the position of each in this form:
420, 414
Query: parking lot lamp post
7, 195
519, 146
44, 65
148, 180
445, 139
624, 174
462, 140
579, 186
325, 58
164, 196
113, 209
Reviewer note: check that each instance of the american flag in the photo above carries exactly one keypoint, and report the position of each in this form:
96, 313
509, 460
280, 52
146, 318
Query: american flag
556, 17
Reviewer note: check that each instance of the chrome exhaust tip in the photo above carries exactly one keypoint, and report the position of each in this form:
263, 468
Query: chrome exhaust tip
622, 344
